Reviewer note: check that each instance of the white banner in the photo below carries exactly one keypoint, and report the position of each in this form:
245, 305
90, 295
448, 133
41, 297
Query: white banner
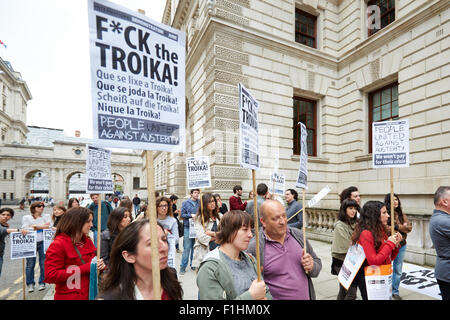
137, 79
23, 246
322, 193
278, 182
390, 144
420, 279
302, 177
192, 233
98, 170
198, 172
248, 129
351, 265
378, 282
49, 234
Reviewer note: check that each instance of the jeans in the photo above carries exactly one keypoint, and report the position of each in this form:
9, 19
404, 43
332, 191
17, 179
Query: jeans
397, 269
445, 289
95, 237
31, 262
188, 249
136, 208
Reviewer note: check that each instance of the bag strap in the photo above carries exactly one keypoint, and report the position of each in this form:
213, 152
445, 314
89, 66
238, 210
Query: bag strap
79, 254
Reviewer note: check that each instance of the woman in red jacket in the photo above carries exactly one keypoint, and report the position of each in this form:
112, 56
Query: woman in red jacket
371, 232
68, 258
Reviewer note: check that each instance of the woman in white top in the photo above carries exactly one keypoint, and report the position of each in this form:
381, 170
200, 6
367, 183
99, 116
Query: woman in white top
170, 224
206, 224
36, 221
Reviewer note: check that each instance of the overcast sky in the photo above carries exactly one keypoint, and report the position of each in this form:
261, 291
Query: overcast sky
48, 43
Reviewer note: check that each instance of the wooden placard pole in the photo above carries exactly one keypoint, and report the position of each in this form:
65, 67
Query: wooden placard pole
99, 224
23, 278
151, 215
256, 222
304, 220
392, 200
201, 208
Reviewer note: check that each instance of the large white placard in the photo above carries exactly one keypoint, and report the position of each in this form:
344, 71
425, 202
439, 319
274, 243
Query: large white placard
49, 234
352, 263
23, 246
98, 170
302, 176
137, 79
390, 144
248, 129
198, 173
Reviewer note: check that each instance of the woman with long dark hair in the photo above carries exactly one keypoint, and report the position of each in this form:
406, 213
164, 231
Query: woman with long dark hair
68, 258
206, 225
117, 221
371, 232
401, 224
130, 275
342, 234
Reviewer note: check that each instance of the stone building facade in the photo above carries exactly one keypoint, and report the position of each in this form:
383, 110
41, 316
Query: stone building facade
328, 64
28, 151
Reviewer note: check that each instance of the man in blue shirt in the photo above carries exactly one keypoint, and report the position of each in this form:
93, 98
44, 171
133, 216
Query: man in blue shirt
189, 209
440, 236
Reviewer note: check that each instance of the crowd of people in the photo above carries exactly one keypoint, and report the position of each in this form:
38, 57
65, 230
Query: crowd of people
219, 245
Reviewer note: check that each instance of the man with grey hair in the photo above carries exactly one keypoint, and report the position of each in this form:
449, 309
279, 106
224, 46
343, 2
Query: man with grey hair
439, 229
286, 267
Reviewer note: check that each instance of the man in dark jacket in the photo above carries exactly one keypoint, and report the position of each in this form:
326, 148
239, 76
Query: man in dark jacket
287, 269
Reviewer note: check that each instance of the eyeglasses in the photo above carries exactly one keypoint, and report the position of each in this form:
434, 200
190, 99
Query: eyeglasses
163, 206
40, 206
212, 201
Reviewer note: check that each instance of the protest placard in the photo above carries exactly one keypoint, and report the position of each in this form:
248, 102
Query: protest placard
322, 193
352, 263
98, 170
278, 182
137, 80
248, 126
23, 246
390, 144
198, 172
378, 282
49, 234
302, 176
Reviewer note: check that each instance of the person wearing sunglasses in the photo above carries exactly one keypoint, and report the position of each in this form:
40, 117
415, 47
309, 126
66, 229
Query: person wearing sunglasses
36, 221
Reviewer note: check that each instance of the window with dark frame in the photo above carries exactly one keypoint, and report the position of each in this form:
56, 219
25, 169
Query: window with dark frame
305, 111
12, 174
387, 14
5, 174
383, 106
305, 28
